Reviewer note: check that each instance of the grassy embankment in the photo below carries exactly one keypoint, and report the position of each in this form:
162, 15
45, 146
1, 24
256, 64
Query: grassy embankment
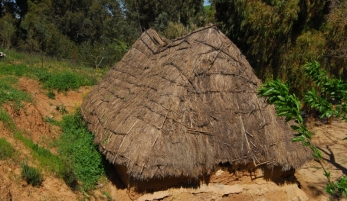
78, 162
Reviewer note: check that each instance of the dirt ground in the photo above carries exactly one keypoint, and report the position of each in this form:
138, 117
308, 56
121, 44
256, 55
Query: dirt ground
308, 183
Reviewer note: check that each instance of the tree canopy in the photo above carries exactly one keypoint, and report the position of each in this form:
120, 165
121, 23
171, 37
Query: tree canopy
96, 32
279, 36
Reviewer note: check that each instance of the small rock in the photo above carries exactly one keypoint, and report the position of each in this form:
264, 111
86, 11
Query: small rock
219, 172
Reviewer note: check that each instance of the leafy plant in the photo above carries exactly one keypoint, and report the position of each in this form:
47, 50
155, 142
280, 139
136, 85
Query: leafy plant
289, 106
76, 144
32, 175
6, 149
330, 91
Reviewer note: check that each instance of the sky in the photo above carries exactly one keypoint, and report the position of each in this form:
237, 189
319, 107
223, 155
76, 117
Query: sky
206, 3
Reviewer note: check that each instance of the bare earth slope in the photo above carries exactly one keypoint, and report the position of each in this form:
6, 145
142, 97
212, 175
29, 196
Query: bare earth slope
31, 120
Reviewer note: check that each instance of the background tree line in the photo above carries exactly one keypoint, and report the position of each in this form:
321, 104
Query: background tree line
279, 36
95, 32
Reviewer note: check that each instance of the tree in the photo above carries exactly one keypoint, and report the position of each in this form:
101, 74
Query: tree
72, 18
276, 36
145, 12
2, 10
337, 41
17, 8
7, 31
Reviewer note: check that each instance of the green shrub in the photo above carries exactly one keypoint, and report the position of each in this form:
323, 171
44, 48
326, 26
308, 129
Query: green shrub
32, 175
76, 143
6, 150
42, 74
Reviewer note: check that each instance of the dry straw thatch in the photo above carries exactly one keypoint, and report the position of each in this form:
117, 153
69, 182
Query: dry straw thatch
178, 108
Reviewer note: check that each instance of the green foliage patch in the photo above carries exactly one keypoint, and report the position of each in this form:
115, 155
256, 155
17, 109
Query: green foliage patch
32, 175
64, 81
60, 76
12, 69
6, 149
76, 145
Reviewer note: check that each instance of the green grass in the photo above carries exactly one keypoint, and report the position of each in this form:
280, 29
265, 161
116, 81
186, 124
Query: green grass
12, 69
46, 160
78, 163
7, 120
32, 175
9, 93
52, 121
61, 75
6, 149
63, 81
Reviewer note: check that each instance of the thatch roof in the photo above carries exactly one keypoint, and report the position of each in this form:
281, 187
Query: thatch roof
178, 108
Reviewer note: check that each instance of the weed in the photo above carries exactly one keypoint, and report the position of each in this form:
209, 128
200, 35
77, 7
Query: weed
6, 150
62, 109
51, 94
52, 121
32, 175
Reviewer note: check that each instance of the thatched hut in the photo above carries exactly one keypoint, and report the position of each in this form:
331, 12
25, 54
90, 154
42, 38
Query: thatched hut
178, 108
